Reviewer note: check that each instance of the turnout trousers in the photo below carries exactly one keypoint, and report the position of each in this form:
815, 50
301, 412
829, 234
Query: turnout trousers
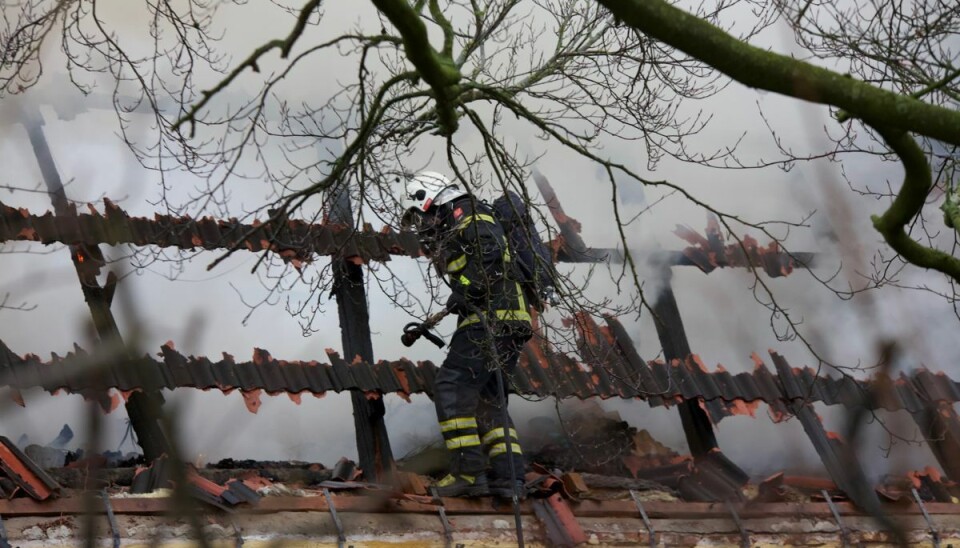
467, 399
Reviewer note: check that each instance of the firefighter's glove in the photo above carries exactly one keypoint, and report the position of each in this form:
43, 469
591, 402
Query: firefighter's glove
550, 296
457, 304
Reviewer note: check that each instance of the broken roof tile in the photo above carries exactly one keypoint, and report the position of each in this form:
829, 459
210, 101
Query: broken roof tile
20, 469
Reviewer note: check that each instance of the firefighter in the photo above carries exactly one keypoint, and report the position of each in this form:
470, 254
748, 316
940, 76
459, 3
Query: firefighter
462, 236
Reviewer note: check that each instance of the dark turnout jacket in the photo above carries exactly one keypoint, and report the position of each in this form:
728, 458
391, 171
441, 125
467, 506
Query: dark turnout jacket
477, 261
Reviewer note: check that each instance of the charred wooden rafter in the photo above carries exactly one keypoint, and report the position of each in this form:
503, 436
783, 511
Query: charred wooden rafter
373, 443
938, 422
837, 456
145, 407
673, 339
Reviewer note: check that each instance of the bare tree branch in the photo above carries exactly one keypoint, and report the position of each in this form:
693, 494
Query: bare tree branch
770, 71
435, 67
251, 62
907, 205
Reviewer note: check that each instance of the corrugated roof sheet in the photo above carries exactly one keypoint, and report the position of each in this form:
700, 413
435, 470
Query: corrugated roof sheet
296, 241
300, 241
607, 366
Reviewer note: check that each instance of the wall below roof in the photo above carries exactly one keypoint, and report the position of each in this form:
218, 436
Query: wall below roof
301, 529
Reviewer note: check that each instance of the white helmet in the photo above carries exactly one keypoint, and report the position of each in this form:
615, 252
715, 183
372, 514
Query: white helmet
426, 190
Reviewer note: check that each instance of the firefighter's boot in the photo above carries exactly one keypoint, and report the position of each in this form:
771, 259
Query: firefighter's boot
462, 486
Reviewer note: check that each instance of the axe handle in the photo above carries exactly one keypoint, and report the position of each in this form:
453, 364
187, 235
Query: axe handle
434, 319
413, 331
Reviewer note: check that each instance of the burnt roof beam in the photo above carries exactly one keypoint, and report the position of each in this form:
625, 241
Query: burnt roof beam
373, 443
673, 339
838, 457
143, 408
938, 424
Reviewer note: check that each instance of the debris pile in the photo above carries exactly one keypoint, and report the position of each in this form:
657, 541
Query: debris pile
164, 472
586, 438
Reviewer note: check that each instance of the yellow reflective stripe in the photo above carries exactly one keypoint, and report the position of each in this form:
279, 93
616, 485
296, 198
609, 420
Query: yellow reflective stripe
450, 479
463, 441
463, 280
502, 315
480, 217
495, 434
458, 423
501, 448
523, 301
457, 264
